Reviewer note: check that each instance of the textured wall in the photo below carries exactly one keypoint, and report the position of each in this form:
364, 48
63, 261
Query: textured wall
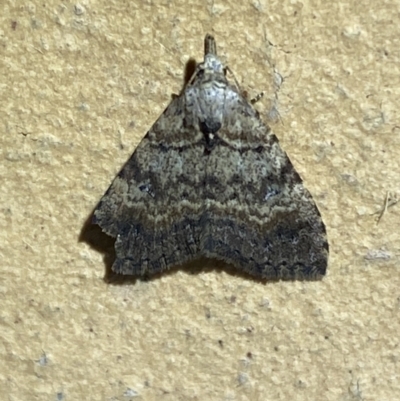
80, 85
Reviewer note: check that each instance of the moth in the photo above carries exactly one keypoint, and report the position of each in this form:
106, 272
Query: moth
210, 179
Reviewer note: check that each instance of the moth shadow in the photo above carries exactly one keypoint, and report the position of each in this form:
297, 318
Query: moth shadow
99, 241
207, 265
190, 69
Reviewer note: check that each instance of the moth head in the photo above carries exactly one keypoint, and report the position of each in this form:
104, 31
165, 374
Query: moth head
210, 67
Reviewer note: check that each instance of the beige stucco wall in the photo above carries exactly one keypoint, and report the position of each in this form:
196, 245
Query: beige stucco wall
80, 84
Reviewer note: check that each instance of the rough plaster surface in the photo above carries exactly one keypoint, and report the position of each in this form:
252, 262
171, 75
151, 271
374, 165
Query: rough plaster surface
80, 84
